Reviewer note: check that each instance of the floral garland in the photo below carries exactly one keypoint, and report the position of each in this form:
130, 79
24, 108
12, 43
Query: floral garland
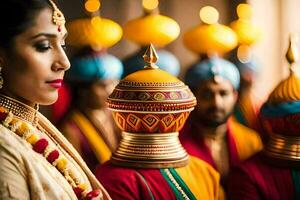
52, 155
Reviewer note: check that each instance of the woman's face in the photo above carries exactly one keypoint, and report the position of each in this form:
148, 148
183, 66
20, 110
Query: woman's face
34, 67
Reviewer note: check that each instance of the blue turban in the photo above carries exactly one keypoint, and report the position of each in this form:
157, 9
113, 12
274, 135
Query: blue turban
166, 61
209, 68
95, 67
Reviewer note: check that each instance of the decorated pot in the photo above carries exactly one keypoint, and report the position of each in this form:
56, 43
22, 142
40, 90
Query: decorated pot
150, 106
151, 101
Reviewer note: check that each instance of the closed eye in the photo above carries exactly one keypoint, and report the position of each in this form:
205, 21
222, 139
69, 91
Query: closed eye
42, 46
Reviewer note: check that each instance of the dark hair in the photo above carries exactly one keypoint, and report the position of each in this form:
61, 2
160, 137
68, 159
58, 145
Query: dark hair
16, 16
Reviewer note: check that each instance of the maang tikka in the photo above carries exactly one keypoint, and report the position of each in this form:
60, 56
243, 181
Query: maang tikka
57, 16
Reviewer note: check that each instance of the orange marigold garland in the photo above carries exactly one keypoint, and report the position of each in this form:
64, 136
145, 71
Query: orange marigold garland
41, 145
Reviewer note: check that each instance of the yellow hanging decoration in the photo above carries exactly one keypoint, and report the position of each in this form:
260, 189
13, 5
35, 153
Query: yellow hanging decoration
153, 28
96, 32
247, 32
210, 37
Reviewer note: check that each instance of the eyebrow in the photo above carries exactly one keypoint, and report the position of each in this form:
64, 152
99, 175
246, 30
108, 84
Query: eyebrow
49, 35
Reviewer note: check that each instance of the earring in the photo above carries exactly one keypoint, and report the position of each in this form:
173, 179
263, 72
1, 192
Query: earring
1, 78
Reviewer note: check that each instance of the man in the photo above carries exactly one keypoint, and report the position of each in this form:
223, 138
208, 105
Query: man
274, 173
210, 134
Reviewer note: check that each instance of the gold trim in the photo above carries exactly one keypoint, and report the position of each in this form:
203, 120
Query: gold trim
155, 89
19, 109
125, 84
283, 147
148, 110
144, 150
173, 180
166, 101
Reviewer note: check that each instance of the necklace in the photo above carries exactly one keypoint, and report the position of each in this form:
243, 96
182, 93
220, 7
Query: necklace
19, 109
29, 133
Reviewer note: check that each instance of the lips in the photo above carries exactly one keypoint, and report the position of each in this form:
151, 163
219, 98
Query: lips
55, 83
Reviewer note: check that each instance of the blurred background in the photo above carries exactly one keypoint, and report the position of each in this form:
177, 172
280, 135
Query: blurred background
276, 18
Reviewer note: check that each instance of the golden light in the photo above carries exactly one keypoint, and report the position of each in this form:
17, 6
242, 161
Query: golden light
209, 15
95, 21
244, 11
244, 53
92, 5
150, 4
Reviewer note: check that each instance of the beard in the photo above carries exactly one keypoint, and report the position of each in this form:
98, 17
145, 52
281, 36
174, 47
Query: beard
205, 120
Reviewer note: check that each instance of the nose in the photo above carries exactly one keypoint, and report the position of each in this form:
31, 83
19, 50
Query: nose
217, 101
62, 62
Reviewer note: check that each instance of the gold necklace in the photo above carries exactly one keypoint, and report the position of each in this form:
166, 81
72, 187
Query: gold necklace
19, 109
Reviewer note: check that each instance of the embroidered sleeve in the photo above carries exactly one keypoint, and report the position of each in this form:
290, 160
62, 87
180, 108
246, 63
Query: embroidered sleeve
13, 183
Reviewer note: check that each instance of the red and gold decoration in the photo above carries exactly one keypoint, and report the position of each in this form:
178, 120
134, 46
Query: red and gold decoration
210, 38
151, 106
280, 115
40, 144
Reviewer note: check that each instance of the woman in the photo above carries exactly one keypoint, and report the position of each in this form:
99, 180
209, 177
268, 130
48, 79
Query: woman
36, 161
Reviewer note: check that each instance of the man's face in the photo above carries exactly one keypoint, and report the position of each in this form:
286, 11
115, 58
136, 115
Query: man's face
215, 102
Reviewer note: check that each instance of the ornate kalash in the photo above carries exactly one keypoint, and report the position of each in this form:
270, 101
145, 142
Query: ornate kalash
281, 115
150, 106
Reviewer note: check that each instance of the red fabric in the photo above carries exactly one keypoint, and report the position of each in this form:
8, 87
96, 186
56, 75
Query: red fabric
255, 179
287, 125
3, 114
192, 141
86, 150
62, 103
124, 183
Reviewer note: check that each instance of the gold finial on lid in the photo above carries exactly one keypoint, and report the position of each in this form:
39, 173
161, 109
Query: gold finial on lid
292, 54
150, 57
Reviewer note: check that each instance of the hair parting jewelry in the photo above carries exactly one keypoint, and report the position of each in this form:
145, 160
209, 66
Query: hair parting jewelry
57, 17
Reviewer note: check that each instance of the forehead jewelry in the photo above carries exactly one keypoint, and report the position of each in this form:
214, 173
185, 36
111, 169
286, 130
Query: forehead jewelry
57, 17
